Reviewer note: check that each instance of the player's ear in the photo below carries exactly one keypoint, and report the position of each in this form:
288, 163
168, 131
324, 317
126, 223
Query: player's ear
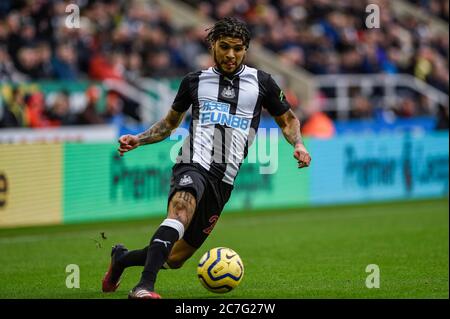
212, 48
211, 45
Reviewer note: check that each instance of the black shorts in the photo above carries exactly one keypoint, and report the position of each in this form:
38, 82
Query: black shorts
210, 193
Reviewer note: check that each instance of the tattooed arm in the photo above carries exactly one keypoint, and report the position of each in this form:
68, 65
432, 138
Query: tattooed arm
158, 132
162, 129
290, 126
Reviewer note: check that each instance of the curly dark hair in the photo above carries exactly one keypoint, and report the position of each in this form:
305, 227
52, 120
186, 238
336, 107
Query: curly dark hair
229, 27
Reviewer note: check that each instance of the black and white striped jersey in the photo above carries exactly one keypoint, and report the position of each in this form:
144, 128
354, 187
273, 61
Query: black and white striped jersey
225, 116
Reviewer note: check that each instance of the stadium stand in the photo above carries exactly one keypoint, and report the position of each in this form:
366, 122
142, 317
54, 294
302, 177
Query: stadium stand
330, 37
126, 41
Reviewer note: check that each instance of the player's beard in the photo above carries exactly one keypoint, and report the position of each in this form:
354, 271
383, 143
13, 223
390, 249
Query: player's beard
219, 65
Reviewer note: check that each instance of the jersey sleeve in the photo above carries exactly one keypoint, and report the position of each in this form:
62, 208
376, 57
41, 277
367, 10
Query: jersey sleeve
183, 99
274, 99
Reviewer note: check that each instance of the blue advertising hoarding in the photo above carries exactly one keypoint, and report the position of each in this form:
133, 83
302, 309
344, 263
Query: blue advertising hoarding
382, 167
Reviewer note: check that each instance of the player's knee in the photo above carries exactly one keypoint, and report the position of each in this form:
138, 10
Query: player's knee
181, 207
179, 211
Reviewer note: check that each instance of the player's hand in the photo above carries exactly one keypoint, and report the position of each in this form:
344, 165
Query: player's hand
127, 143
302, 156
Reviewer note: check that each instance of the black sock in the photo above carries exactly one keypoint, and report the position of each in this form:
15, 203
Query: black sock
133, 258
117, 267
158, 252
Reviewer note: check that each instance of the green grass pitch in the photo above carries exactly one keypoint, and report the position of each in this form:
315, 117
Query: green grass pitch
296, 253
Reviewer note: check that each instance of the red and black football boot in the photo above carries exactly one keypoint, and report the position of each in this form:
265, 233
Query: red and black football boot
142, 293
109, 284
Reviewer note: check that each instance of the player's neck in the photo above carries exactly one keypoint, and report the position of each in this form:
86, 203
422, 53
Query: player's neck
238, 70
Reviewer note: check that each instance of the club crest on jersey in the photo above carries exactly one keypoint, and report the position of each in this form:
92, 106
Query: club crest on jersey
228, 92
185, 180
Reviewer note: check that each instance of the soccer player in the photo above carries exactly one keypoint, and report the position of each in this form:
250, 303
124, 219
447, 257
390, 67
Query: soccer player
226, 103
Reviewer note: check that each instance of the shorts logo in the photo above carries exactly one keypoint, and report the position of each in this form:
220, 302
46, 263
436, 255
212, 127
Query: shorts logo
185, 180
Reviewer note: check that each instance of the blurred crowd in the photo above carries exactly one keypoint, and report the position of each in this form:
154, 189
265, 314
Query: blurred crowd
437, 8
29, 107
330, 36
127, 40
116, 39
